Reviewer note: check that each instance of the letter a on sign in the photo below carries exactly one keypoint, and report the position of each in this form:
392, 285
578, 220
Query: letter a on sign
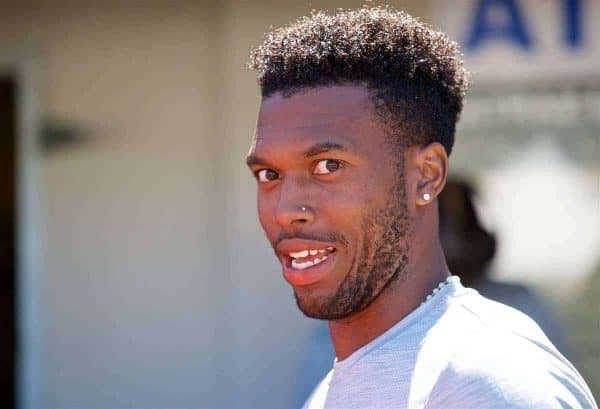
498, 19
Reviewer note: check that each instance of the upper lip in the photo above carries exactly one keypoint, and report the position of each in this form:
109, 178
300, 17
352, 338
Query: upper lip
287, 246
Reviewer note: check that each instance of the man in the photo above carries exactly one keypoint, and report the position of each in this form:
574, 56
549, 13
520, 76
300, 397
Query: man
351, 150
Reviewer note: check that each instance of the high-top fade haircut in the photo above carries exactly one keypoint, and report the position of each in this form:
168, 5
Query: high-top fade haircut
413, 73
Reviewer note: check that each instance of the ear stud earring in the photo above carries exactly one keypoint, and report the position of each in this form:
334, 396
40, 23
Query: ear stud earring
426, 196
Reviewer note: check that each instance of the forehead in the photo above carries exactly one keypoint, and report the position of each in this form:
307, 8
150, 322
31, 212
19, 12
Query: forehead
340, 113
315, 105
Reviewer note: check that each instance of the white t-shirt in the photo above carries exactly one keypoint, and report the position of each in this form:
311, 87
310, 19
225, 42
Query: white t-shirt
457, 350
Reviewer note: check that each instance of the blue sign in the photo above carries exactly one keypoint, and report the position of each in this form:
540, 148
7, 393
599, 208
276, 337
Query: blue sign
504, 20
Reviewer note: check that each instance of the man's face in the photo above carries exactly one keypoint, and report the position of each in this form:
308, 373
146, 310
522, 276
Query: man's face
331, 197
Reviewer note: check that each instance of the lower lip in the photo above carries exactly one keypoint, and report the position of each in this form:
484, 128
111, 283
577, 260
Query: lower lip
309, 275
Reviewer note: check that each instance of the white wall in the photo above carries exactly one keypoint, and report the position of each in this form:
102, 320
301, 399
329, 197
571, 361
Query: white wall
133, 280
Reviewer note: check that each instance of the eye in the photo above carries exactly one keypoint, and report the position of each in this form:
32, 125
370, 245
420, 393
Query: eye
327, 166
267, 175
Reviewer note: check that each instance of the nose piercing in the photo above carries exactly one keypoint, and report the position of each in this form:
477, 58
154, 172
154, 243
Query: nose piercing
303, 208
426, 196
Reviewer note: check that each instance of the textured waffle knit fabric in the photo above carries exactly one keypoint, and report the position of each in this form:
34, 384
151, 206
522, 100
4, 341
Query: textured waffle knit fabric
458, 350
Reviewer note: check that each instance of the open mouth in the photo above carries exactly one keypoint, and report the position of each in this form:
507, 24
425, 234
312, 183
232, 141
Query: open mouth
306, 262
301, 260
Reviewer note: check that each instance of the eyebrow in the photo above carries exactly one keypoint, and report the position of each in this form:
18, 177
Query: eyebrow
312, 151
254, 160
322, 148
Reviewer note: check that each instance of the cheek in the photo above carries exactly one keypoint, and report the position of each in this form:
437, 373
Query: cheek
349, 203
373, 190
265, 208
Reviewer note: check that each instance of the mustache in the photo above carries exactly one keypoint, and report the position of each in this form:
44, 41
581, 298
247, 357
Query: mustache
331, 237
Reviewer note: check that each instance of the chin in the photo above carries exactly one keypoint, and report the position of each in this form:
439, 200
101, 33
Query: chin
321, 308
309, 305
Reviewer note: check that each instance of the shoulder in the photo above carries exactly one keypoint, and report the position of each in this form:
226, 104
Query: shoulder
482, 314
507, 382
499, 357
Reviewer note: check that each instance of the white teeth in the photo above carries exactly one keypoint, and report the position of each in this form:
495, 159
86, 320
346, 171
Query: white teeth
301, 266
305, 253
299, 254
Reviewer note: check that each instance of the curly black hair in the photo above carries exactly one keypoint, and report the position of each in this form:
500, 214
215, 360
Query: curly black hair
414, 73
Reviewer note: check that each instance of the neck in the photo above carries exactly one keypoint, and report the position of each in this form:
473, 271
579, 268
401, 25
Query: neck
394, 303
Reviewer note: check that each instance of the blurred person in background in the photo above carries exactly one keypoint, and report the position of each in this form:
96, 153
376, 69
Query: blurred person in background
350, 153
469, 251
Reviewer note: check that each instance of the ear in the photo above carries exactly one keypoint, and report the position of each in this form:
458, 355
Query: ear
432, 170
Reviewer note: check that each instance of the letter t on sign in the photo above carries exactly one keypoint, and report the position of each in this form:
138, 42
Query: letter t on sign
573, 23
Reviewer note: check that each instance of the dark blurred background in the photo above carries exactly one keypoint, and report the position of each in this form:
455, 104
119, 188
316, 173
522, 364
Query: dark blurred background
134, 271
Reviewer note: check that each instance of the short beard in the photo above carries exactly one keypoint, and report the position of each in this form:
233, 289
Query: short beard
384, 257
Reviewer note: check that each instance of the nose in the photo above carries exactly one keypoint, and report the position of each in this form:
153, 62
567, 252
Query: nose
293, 209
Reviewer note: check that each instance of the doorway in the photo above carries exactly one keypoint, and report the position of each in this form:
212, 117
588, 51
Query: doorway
8, 282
